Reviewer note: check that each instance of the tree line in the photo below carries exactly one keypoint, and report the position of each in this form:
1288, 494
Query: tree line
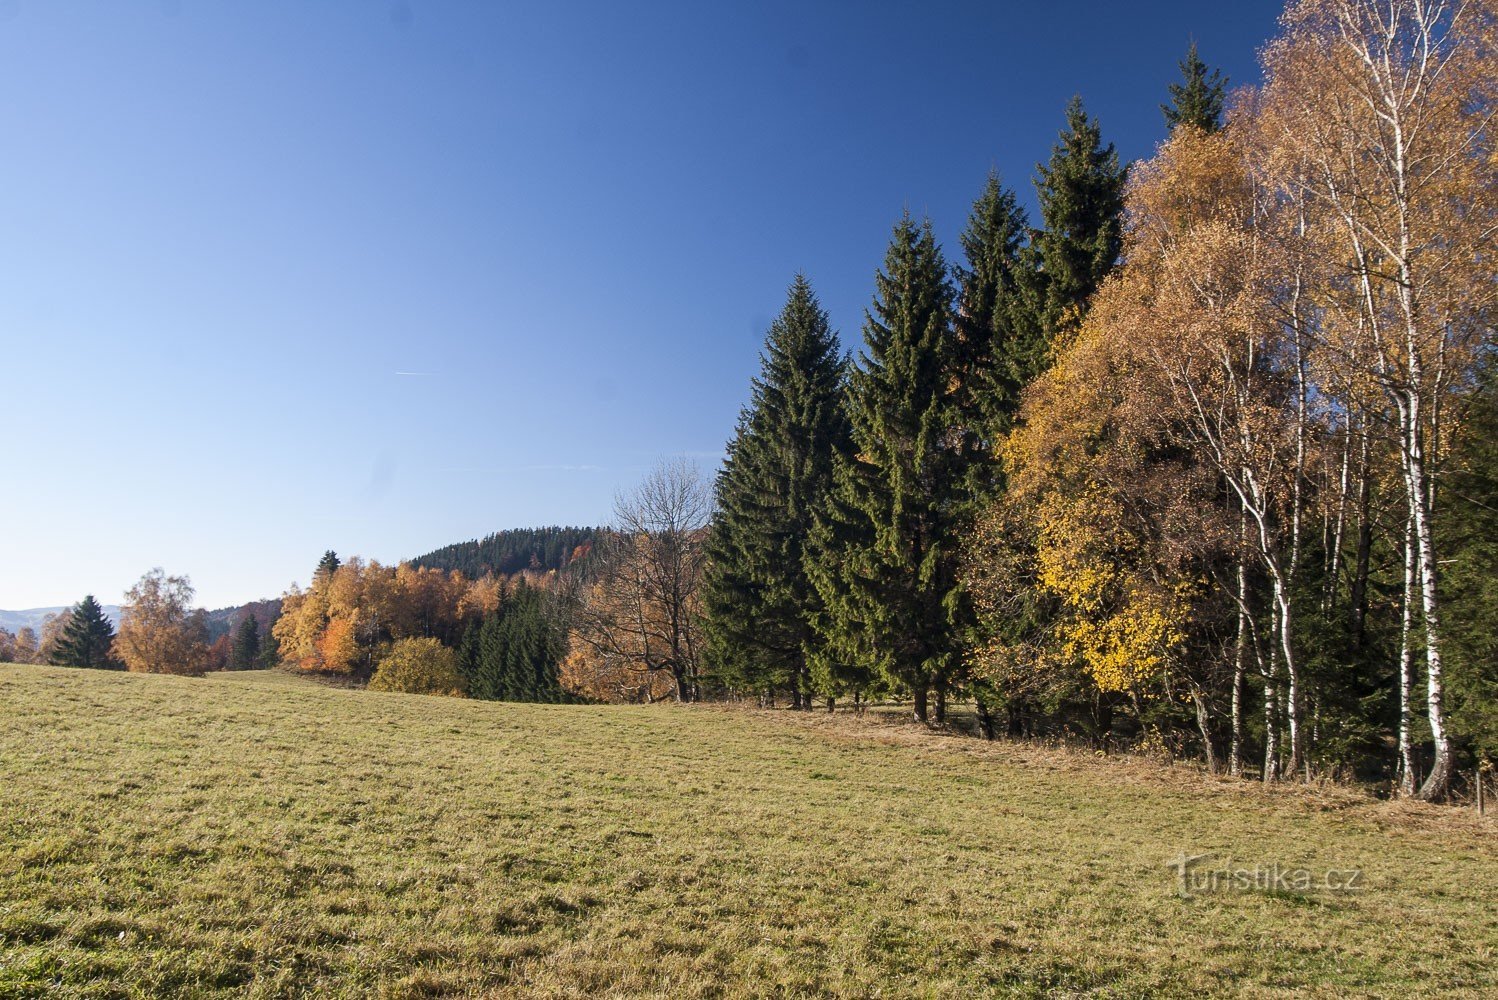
422, 630
1202, 460
515, 550
160, 632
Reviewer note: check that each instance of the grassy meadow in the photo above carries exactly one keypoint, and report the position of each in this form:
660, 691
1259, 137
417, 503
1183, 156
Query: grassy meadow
259, 835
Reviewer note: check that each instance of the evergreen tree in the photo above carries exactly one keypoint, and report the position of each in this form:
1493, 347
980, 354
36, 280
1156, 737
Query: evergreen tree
87, 640
997, 333
245, 653
758, 598
1198, 100
514, 654
886, 542
992, 323
270, 649
1468, 531
326, 566
506, 553
1081, 194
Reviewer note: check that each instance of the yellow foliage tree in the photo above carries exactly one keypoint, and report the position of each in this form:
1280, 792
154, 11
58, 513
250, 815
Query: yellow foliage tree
419, 666
158, 633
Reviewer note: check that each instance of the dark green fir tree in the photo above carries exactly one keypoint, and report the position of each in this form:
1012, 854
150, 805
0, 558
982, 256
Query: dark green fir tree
1467, 532
886, 543
87, 639
1081, 191
514, 654
1198, 99
244, 652
326, 566
992, 324
758, 598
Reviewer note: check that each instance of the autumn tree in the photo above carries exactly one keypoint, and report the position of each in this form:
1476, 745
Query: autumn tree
158, 631
53, 626
597, 675
1376, 128
758, 600
26, 647
419, 666
644, 610
1252, 422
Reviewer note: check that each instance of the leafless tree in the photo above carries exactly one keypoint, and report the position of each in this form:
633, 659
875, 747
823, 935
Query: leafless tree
643, 608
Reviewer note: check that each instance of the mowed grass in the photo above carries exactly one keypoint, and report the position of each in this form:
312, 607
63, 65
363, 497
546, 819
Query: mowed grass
259, 835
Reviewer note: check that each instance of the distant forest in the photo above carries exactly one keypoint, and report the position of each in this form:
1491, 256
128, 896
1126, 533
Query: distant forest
506, 553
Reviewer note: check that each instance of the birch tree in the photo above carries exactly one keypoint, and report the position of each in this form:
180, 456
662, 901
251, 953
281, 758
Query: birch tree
1376, 125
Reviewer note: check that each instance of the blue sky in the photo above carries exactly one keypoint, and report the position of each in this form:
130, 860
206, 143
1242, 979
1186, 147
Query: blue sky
286, 276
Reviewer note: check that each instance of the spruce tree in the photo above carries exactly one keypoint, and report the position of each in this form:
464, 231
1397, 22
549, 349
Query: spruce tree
992, 323
245, 652
87, 639
1081, 192
514, 654
1198, 99
758, 599
886, 541
1468, 532
997, 332
326, 566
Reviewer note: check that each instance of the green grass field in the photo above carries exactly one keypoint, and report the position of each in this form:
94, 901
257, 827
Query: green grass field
255, 834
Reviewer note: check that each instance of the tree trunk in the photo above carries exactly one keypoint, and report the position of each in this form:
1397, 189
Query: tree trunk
1204, 725
1439, 779
1240, 657
985, 718
1292, 676
1271, 723
920, 704
1406, 762
1359, 595
941, 704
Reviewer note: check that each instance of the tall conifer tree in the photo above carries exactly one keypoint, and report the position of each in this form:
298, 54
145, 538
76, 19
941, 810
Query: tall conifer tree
87, 639
758, 598
326, 566
513, 655
1081, 193
1198, 99
886, 542
245, 652
992, 323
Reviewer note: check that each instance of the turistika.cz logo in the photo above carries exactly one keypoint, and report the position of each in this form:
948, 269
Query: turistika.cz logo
1194, 877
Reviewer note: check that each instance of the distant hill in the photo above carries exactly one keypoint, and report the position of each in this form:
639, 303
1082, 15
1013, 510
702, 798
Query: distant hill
33, 617
508, 552
220, 622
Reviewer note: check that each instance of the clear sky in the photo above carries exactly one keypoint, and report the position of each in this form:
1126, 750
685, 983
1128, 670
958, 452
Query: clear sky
278, 277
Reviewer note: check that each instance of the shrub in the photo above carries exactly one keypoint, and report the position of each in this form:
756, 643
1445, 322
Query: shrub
419, 666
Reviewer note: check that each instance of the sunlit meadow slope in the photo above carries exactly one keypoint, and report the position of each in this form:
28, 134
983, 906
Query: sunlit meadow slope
257, 835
